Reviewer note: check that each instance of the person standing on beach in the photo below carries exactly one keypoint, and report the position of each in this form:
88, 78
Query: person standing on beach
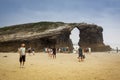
29, 50
54, 52
22, 54
117, 49
33, 51
80, 54
89, 50
49, 52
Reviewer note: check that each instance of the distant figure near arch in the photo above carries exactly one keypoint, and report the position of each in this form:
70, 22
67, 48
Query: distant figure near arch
117, 50
54, 53
81, 56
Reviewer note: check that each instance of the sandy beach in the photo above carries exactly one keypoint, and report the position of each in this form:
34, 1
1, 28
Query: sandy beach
97, 66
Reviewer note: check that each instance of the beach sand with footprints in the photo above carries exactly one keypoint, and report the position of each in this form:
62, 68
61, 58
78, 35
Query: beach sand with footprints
97, 66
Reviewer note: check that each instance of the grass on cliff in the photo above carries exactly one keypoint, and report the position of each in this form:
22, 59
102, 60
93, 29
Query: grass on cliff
30, 27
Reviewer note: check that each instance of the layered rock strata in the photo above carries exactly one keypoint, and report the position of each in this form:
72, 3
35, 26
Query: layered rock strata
51, 34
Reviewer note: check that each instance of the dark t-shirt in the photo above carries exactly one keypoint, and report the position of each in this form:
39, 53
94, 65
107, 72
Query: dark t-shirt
80, 52
54, 51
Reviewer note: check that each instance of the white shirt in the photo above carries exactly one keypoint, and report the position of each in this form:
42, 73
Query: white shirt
22, 51
89, 50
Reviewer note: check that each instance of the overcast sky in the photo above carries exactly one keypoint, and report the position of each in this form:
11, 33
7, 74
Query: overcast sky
105, 13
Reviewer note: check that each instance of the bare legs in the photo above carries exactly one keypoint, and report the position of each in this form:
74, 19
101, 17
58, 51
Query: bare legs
22, 64
54, 56
80, 59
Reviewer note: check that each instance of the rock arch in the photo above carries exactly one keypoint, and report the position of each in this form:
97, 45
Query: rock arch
90, 36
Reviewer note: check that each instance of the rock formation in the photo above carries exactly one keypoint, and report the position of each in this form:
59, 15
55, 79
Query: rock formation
49, 34
91, 36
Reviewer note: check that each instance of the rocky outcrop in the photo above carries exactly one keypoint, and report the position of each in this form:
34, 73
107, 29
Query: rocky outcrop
50, 34
91, 36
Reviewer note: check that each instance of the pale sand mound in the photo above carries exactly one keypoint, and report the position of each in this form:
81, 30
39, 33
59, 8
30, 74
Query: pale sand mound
97, 66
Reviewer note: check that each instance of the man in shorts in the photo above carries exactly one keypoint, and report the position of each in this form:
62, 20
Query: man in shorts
22, 55
80, 54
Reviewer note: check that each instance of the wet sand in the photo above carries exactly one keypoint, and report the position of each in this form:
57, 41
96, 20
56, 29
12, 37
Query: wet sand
97, 66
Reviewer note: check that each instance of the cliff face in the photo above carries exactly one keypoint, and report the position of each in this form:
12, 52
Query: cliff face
50, 34
91, 36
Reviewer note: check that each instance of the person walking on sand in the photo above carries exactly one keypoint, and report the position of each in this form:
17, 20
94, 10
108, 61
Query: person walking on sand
22, 54
29, 50
117, 49
80, 54
33, 51
54, 52
50, 52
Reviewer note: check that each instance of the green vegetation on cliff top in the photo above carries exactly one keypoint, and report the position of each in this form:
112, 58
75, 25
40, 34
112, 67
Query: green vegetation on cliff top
30, 27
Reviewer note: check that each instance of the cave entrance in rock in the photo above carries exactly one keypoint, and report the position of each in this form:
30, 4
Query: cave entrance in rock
75, 39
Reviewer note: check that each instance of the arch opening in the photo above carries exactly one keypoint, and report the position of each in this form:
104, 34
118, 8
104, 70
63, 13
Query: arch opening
75, 39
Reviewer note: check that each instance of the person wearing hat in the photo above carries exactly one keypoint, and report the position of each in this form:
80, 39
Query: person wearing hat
22, 57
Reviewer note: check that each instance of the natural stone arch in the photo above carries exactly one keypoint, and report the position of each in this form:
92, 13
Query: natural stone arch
74, 36
57, 34
90, 36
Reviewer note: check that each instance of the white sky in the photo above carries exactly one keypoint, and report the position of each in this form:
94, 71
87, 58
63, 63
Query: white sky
75, 36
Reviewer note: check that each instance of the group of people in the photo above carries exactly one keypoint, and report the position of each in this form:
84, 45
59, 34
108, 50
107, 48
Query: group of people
51, 53
87, 50
22, 54
31, 51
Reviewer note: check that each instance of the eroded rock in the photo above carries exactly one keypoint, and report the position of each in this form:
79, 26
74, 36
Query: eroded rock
50, 34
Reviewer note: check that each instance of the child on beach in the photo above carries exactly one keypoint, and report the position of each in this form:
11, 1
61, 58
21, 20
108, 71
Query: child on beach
22, 55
